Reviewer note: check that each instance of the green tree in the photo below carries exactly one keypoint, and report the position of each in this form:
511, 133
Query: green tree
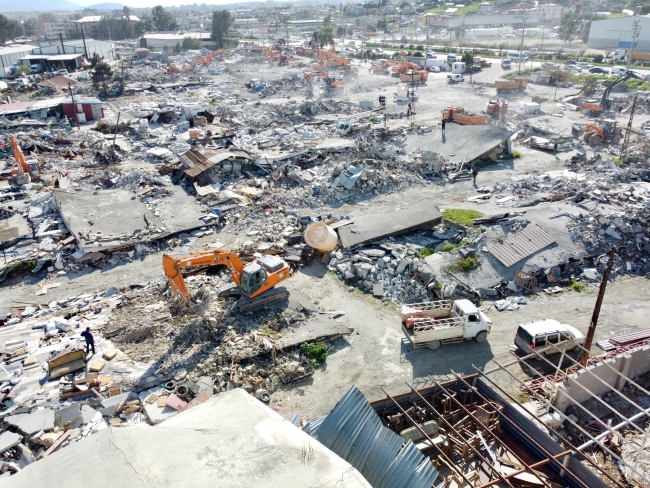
23, 70
102, 73
177, 48
468, 59
327, 20
9, 29
127, 12
382, 25
95, 60
191, 43
459, 31
162, 20
371, 28
221, 22
340, 31
570, 26
324, 36
31, 26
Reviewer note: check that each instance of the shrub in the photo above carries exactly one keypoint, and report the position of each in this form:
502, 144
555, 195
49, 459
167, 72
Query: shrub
577, 286
464, 264
316, 354
461, 216
516, 154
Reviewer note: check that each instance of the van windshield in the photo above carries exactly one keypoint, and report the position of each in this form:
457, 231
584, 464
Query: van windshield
525, 336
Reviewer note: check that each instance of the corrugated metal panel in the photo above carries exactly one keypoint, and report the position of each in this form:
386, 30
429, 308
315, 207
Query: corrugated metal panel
354, 431
623, 339
521, 245
195, 163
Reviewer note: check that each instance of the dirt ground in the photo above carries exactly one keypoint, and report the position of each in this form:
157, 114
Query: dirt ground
376, 354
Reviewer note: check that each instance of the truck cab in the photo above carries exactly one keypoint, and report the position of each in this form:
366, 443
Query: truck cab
476, 320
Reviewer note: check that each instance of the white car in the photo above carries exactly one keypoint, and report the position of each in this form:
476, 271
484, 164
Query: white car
434, 69
573, 69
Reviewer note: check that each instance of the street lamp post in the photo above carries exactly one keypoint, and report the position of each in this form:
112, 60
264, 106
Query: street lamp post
521, 47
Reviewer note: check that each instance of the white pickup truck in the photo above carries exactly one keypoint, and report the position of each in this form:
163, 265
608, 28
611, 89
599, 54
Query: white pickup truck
432, 324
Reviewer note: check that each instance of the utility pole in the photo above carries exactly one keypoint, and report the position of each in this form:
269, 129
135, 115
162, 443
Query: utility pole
412, 97
117, 125
521, 47
74, 107
84, 39
626, 138
584, 357
636, 29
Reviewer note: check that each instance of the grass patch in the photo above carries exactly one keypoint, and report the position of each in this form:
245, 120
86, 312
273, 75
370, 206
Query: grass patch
641, 85
424, 252
464, 242
577, 286
460, 215
618, 161
449, 247
464, 264
522, 398
516, 154
316, 354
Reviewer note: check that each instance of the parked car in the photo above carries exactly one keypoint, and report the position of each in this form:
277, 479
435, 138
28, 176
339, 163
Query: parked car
433, 69
547, 64
573, 69
455, 78
598, 70
61, 72
430, 54
474, 69
584, 65
570, 61
543, 333
379, 50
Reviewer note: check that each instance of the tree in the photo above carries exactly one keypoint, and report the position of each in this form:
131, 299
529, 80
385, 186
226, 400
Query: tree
9, 29
102, 74
468, 59
371, 28
95, 60
178, 48
162, 20
570, 26
340, 31
327, 20
221, 22
127, 12
23, 70
382, 25
191, 43
31, 26
459, 31
324, 36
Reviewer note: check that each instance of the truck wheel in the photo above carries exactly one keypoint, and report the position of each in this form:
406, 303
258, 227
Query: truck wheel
595, 140
481, 336
434, 344
617, 139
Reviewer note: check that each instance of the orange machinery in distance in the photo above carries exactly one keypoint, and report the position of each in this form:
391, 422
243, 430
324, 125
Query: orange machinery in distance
255, 281
330, 82
207, 59
24, 170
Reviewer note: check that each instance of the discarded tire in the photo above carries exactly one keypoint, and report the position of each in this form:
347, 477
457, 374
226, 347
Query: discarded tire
263, 396
170, 385
182, 390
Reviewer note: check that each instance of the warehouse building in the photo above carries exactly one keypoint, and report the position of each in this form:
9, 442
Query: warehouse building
617, 33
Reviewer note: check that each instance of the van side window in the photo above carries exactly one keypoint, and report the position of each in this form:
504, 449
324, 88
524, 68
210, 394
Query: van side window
540, 340
554, 338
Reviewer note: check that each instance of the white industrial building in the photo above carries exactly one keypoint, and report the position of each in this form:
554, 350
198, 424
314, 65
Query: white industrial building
159, 41
10, 56
549, 12
485, 21
616, 33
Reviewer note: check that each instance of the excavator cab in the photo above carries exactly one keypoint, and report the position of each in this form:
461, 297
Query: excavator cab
609, 127
609, 104
252, 278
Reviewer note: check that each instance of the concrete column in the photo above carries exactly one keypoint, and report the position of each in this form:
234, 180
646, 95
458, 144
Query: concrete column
509, 142
624, 369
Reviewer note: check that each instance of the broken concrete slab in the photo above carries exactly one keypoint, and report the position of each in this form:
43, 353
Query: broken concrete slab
69, 417
370, 228
317, 328
87, 413
31, 423
113, 403
9, 440
105, 220
155, 414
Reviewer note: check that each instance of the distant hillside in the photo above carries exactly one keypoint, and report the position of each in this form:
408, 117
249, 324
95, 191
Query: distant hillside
106, 6
38, 5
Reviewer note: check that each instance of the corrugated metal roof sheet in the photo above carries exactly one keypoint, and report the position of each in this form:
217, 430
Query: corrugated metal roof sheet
521, 245
218, 155
195, 163
630, 337
355, 432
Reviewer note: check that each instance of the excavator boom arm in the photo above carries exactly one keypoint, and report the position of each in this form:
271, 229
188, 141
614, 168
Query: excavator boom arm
173, 266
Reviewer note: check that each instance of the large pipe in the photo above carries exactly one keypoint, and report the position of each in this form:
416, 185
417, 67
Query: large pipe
611, 430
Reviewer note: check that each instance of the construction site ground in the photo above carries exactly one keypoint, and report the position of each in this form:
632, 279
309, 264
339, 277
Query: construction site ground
377, 354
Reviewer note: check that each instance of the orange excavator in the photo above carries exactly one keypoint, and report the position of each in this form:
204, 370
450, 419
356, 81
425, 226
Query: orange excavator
459, 116
329, 59
331, 83
25, 171
255, 282
207, 59
403, 67
383, 68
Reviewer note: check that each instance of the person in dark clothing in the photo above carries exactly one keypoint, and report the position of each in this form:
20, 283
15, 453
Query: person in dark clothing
90, 340
474, 173
443, 124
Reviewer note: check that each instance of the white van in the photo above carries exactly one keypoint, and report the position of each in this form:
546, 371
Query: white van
618, 70
542, 333
515, 58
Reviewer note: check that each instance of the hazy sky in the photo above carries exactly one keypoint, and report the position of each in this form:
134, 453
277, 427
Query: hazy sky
153, 3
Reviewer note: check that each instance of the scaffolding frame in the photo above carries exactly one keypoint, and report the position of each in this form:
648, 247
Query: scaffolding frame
490, 461
621, 380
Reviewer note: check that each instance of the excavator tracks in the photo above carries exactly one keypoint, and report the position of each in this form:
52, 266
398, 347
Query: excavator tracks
245, 303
